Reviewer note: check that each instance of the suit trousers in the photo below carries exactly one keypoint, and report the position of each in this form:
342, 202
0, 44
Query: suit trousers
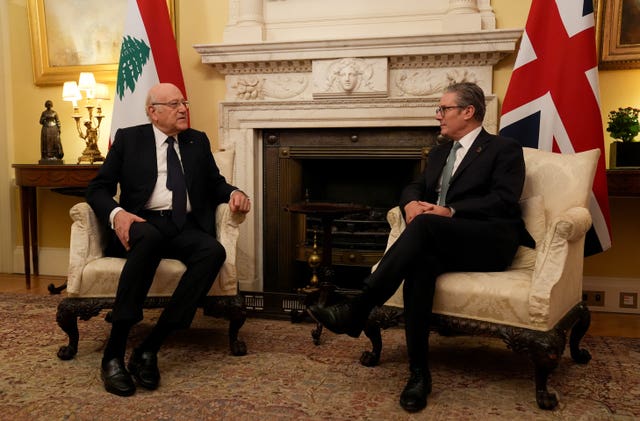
152, 241
429, 246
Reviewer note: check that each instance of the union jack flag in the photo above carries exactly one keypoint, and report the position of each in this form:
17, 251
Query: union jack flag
552, 102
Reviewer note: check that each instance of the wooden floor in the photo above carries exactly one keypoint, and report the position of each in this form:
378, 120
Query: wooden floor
602, 323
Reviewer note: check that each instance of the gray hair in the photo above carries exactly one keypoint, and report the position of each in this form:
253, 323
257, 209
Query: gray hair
469, 94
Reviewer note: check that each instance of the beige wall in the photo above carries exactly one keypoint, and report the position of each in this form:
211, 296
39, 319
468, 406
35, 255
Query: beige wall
202, 21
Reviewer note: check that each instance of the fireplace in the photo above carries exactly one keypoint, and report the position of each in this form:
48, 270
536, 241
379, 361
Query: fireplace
281, 71
364, 166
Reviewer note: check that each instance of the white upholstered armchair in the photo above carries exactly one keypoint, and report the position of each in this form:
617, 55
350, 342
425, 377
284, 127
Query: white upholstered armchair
92, 278
533, 304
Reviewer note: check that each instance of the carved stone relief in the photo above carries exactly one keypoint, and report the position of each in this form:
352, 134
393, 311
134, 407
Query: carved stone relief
267, 86
347, 77
428, 82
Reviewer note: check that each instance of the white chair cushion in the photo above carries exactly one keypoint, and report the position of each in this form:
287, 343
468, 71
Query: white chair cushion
564, 180
500, 297
106, 272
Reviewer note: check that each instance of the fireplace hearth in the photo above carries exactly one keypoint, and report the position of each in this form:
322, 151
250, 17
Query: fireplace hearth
364, 166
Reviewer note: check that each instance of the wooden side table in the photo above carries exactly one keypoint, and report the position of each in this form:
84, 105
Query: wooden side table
30, 177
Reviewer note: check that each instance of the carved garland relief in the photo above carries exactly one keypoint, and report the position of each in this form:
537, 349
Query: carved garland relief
348, 77
261, 87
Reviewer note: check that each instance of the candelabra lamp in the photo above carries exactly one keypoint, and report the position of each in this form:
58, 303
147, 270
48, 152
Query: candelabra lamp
94, 93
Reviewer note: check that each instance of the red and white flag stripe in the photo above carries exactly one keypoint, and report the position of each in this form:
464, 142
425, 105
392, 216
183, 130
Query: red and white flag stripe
148, 55
552, 102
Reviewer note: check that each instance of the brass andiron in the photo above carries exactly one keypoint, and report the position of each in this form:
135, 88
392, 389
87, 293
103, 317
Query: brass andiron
314, 261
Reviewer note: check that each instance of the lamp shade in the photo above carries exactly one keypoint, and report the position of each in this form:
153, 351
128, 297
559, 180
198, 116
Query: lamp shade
71, 92
87, 81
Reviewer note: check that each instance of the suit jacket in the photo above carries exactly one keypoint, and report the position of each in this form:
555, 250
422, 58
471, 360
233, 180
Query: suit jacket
487, 184
131, 163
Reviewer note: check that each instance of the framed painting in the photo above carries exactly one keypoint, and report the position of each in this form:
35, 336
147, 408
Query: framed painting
618, 34
73, 36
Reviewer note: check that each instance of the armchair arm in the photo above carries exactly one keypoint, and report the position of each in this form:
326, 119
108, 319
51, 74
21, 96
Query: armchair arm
397, 225
556, 285
227, 232
87, 243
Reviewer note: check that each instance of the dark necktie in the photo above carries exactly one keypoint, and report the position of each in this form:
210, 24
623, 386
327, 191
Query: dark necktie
447, 172
176, 183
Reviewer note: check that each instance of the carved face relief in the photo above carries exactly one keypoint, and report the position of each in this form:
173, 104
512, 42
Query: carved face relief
348, 77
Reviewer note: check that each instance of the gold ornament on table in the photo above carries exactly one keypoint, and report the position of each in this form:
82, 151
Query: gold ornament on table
94, 93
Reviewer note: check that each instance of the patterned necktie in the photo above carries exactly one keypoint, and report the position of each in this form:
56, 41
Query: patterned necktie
447, 172
176, 183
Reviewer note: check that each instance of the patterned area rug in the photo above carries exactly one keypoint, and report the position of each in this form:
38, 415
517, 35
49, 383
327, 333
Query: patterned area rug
285, 376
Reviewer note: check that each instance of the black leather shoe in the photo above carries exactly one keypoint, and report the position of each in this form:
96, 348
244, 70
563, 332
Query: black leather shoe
348, 317
414, 396
116, 378
144, 368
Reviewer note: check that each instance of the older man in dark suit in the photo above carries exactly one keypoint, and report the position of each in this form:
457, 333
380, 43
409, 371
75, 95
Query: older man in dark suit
170, 187
462, 214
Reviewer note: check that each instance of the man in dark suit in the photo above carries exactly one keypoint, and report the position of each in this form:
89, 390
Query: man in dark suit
170, 187
470, 223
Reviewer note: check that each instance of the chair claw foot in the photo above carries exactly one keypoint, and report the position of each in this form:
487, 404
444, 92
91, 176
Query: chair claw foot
238, 348
67, 352
369, 359
546, 399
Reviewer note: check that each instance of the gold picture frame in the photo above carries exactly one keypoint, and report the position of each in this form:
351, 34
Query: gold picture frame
59, 29
618, 23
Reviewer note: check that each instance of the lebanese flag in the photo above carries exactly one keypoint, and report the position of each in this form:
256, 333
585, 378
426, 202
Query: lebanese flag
148, 56
552, 102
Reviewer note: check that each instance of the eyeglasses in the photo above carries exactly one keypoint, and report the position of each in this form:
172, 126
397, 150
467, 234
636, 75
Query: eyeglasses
442, 109
173, 104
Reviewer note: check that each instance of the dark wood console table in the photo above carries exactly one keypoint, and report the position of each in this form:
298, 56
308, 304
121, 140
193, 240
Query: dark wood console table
29, 177
623, 183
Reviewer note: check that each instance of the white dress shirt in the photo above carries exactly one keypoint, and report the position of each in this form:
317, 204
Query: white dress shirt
160, 198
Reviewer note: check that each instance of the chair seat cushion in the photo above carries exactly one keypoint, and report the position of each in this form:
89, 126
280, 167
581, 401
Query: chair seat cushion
498, 297
107, 271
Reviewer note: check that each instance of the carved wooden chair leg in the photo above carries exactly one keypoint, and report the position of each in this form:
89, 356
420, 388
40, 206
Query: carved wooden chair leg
545, 350
234, 310
373, 332
236, 321
544, 398
580, 355
68, 322
316, 333
55, 290
69, 310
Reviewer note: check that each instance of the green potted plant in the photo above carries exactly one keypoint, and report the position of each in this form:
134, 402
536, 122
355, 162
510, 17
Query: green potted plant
624, 127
